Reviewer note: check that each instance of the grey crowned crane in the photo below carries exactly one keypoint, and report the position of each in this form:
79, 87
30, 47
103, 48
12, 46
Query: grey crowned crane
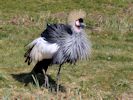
59, 44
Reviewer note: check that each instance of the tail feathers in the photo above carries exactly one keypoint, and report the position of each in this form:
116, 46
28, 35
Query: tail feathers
27, 56
29, 48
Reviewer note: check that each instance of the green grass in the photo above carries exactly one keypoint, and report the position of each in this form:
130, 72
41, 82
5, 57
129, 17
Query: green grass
107, 75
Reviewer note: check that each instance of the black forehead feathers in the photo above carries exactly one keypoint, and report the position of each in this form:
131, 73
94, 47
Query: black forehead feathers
81, 20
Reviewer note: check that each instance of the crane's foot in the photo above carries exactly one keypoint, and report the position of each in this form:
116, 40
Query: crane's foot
46, 83
57, 88
57, 81
58, 78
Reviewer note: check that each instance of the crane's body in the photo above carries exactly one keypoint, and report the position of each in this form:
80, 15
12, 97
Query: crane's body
59, 44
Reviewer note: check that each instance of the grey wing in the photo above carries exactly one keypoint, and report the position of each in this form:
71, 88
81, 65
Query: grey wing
55, 32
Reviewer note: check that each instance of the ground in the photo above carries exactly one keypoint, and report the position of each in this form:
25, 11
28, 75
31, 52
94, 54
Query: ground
107, 75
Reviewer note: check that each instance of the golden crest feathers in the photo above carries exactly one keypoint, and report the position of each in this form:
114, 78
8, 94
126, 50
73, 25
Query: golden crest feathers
74, 15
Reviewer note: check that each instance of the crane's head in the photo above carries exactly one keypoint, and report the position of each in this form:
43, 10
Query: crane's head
80, 23
75, 19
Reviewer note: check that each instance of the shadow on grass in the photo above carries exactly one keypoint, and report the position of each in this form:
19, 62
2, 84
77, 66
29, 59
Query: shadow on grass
27, 78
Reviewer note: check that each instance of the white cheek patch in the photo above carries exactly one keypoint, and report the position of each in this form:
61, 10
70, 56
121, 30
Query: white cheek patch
77, 23
76, 27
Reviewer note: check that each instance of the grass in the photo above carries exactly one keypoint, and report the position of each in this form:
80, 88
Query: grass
106, 76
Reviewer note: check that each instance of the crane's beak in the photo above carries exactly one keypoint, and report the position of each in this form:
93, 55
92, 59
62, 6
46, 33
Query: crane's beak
83, 25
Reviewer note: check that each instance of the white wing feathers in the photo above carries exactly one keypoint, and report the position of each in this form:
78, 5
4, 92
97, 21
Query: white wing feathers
42, 49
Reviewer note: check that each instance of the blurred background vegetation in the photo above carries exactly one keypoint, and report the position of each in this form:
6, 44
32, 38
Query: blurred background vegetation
107, 75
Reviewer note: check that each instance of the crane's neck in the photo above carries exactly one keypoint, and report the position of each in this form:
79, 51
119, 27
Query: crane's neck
77, 29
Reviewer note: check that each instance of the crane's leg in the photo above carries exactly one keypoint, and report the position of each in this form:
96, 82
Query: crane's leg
38, 68
58, 78
46, 83
41, 67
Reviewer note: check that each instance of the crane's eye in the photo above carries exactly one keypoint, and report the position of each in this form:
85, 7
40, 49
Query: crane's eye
81, 20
